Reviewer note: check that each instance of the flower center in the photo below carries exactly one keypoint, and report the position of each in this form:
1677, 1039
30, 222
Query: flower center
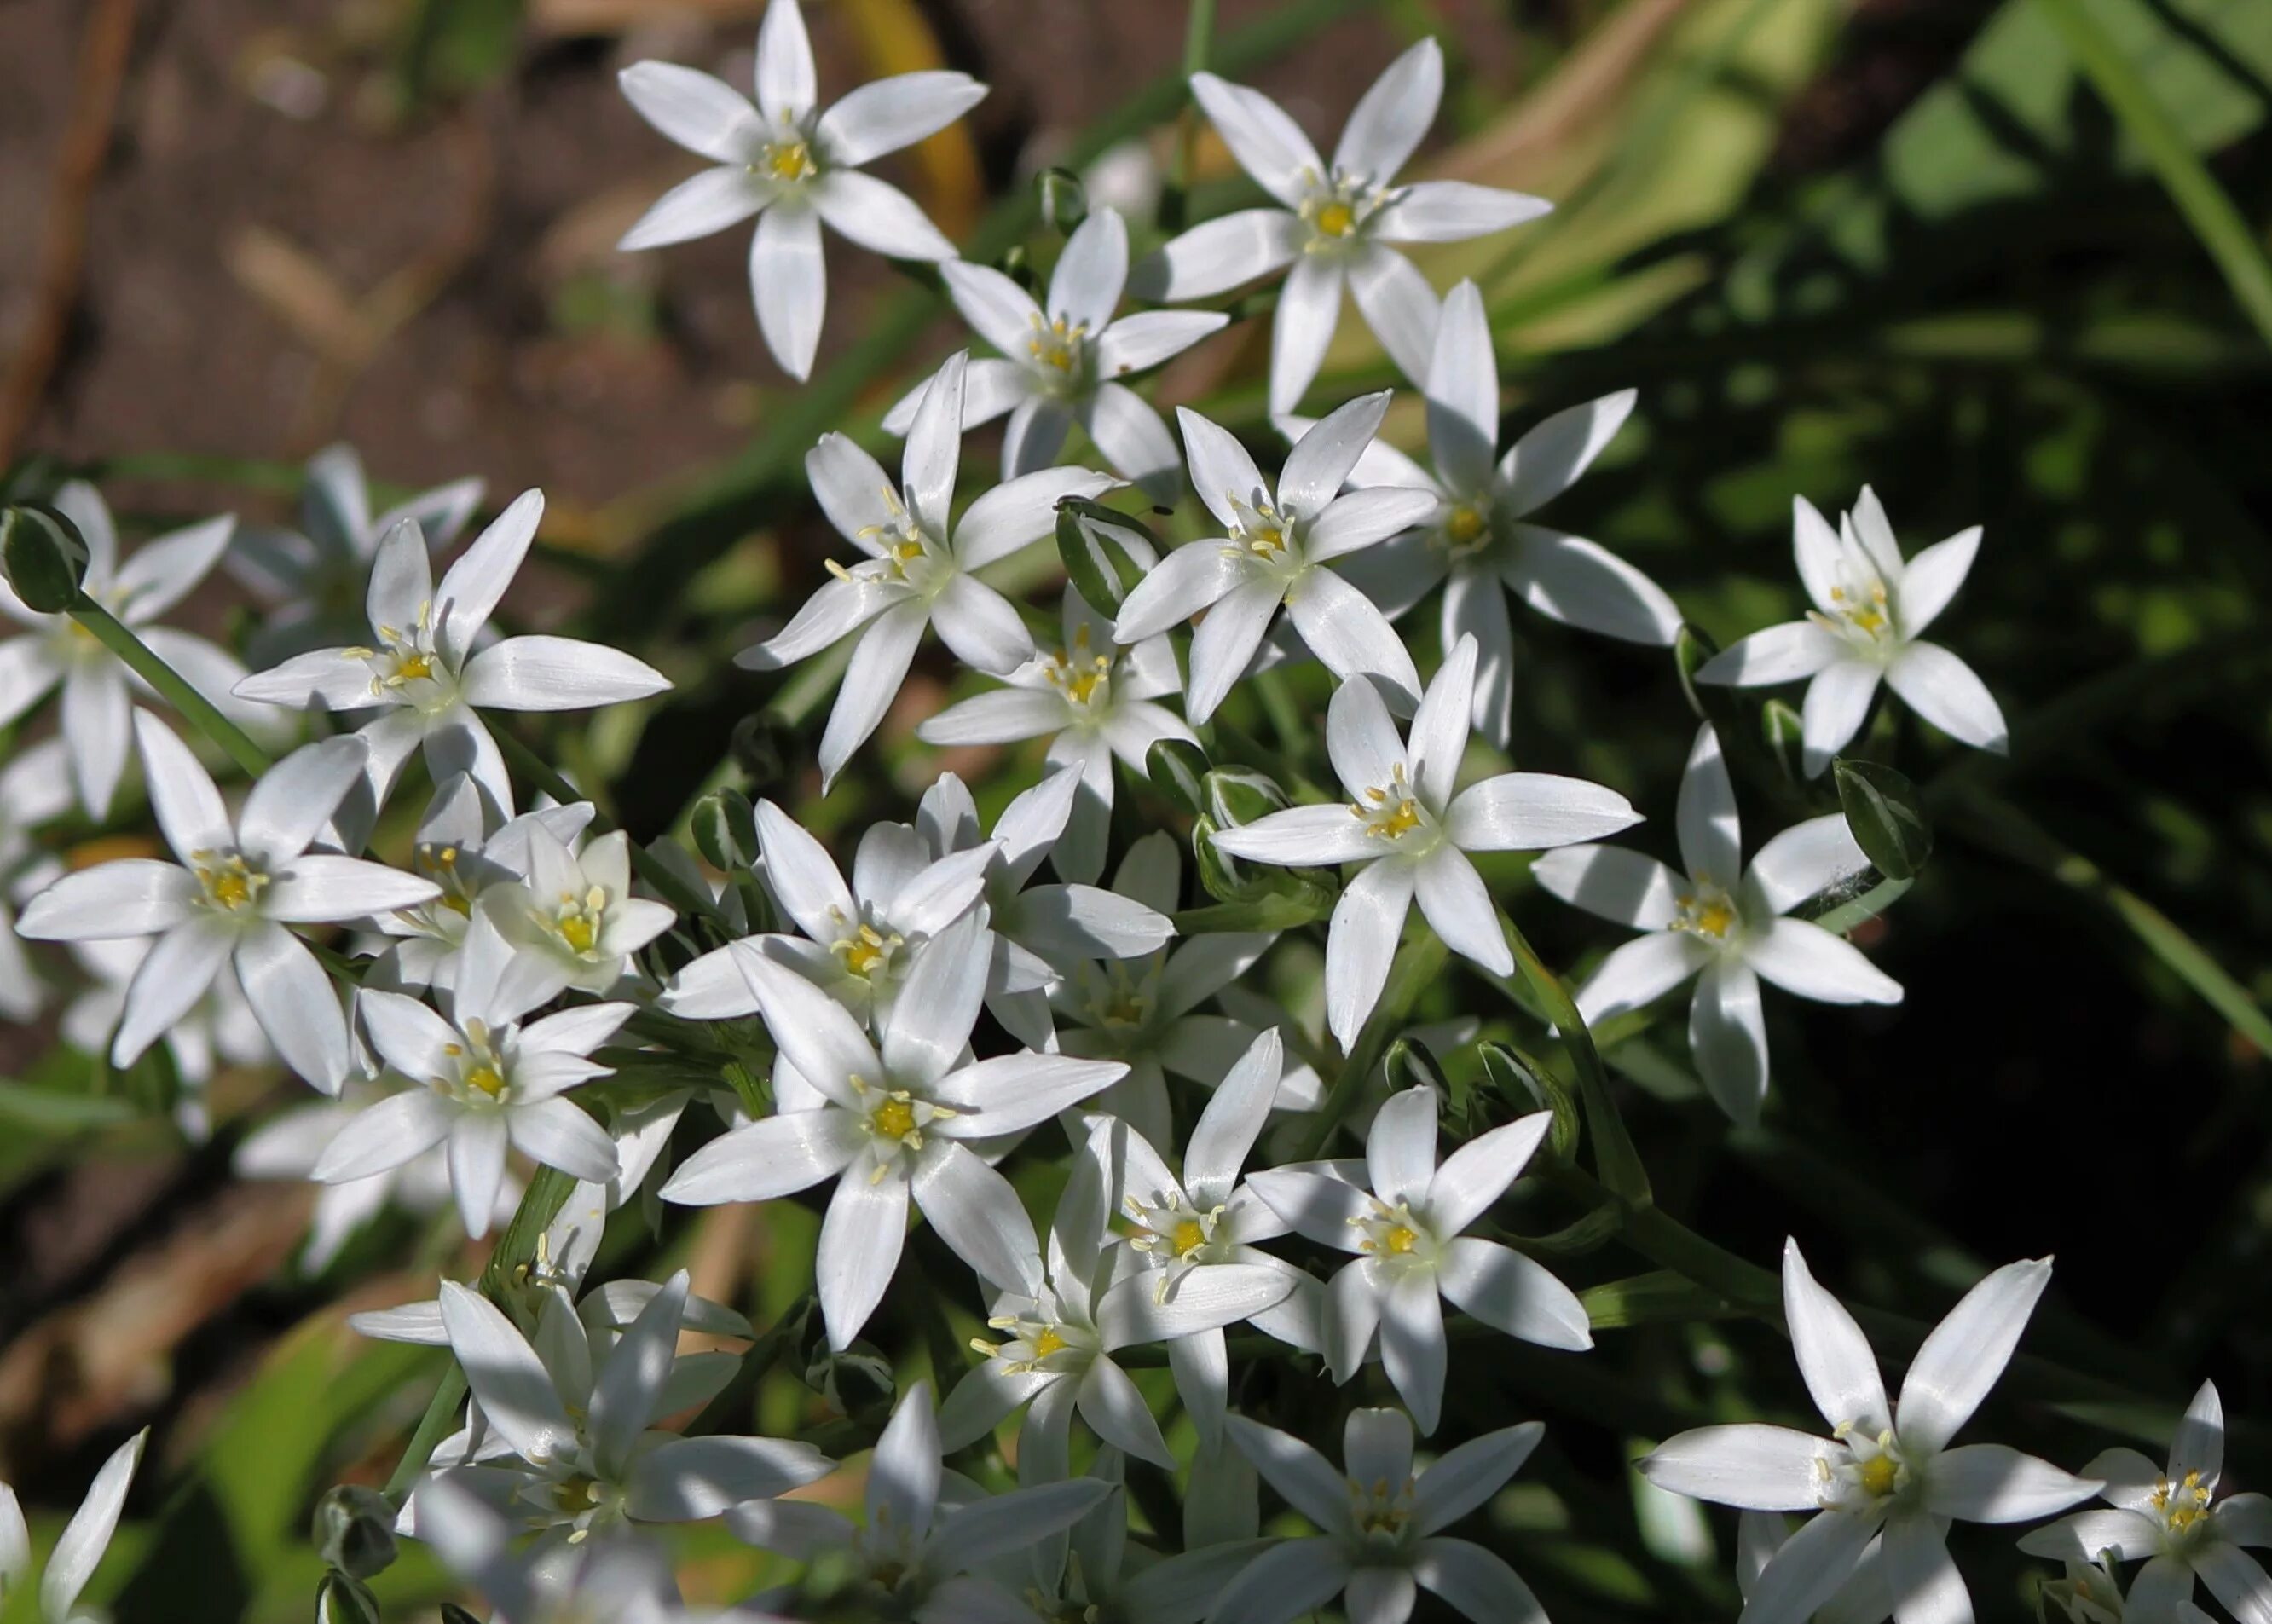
1391, 811
866, 951
1057, 347
785, 163
1861, 612
1083, 678
905, 554
578, 921
1466, 530
1121, 1003
439, 863
2183, 1506
1262, 534
1190, 1236
1383, 1513
1392, 1233
405, 666
1035, 1336
1875, 1470
1709, 911
896, 1118
481, 1071
231, 885
1048, 1342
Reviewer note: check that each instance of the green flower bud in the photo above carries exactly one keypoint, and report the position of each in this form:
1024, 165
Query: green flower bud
354, 1531
44, 558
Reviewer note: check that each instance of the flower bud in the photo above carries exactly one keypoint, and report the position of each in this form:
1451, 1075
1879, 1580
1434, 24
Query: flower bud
354, 1531
44, 558
725, 829
1886, 815
1064, 200
1691, 648
340, 1599
1411, 1065
764, 745
1527, 1086
1096, 563
1239, 794
1178, 768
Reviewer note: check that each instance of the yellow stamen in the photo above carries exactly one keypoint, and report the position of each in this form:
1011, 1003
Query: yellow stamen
1048, 1342
894, 1118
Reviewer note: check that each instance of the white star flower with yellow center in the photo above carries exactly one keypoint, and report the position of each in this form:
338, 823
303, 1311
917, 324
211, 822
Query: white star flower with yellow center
1059, 1340
1721, 921
427, 671
1412, 1253
1062, 361
1480, 542
573, 922
1276, 552
1886, 1473
1872, 610
796, 168
890, 1124
1404, 822
98, 691
1379, 1541
2174, 1519
1334, 223
232, 898
919, 571
1095, 699
480, 1082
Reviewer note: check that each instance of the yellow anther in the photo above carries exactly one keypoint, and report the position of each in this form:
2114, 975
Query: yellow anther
1048, 1342
488, 1079
580, 931
785, 162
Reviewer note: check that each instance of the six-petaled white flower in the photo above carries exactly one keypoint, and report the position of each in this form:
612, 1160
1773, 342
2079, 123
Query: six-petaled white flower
231, 898
1408, 1230
428, 671
1412, 833
1723, 922
794, 167
1063, 360
1276, 552
1334, 223
1872, 610
917, 572
1886, 1476
573, 922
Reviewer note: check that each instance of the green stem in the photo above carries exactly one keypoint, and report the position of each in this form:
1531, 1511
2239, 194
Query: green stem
440, 1419
2222, 230
1614, 1155
1418, 962
1198, 38
112, 634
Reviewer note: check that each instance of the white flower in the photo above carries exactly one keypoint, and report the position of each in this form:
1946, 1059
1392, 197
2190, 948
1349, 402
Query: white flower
230, 898
1063, 362
1059, 1338
1885, 1472
1095, 698
1145, 1011
856, 942
1479, 540
97, 689
573, 922
793, 166
916, 573
583, 1458
1042, 933
465, 851
219, 1028
313, 577
424, 674
1403, 821
1722, 920
1407, 1232
1380, 1539
289, 1146
1872, 610
78, 1551
1334, 224
892, 1126
1275, 552
480, 1082
35, 788
916, 1552
1207, 1221
2174, 1520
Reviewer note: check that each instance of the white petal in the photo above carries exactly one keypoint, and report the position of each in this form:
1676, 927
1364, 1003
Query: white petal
1302, 327
772, 1156
295, 800
1786, 653
1803, 861
1363, 744
1452, 212
787, 85
2199, 1445
1002, 718
2236, 1580
1015, 1091
1463, 391
97, 721
933, 454
853, 489
79, 1548
28, 671
476, 1154
878, 216
1470, 1475
801, 875
1807, 959
133, 896
1360, 945
1459, 909
1834, 1357
1637, 973
1931, 579
1612, 883
1222, 474
689, 1479
789, 283
1474, 608
557, 1133
1232, 1120
704, 203
1291, 1578
1133, 439
985, 1530
1557, 450
1268, 144
1710, 837
903, 1474
1140, 341
1477, 1173
319, 889
1837, 700
624, 1396
1303, 1476
979, 1216
2081, 1537
515, 1390
879, 665
1512, 1293
930, 1021
1413, 1348
983, 1398
1946, 692
398, 1129
406, 1035
1324, 1210
181, 793
1354, 1302
1226, 641
1396, 302
1364, 519
297, 1008
1117, 1413
1814, 1566
1085, 286
1728, 1037
981, 626
1392, 117
1202, 1299
1583, 585
816, 1034
888, 113
860, 1241
1218, 255
1991, 1483
1750, 1466
1965, 1353
1018, 513
556, 673
470, 589
1380, 1595
327, 679
1926, 1586
1348, 635
1526, 811
1476, 1581
1874, 532
702, 113
1820, 557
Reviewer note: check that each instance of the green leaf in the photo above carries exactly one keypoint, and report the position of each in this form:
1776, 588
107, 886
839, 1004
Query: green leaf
1090, 537
50, 1111
1886, 816
1658, 1298
1619, 1163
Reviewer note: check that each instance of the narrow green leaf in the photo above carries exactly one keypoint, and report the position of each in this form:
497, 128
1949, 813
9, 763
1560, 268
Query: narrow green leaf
1614, 1155
1659, 1298
50, 1111
1886, 816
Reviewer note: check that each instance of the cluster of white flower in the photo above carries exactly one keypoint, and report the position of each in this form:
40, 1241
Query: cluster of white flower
899, 1038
